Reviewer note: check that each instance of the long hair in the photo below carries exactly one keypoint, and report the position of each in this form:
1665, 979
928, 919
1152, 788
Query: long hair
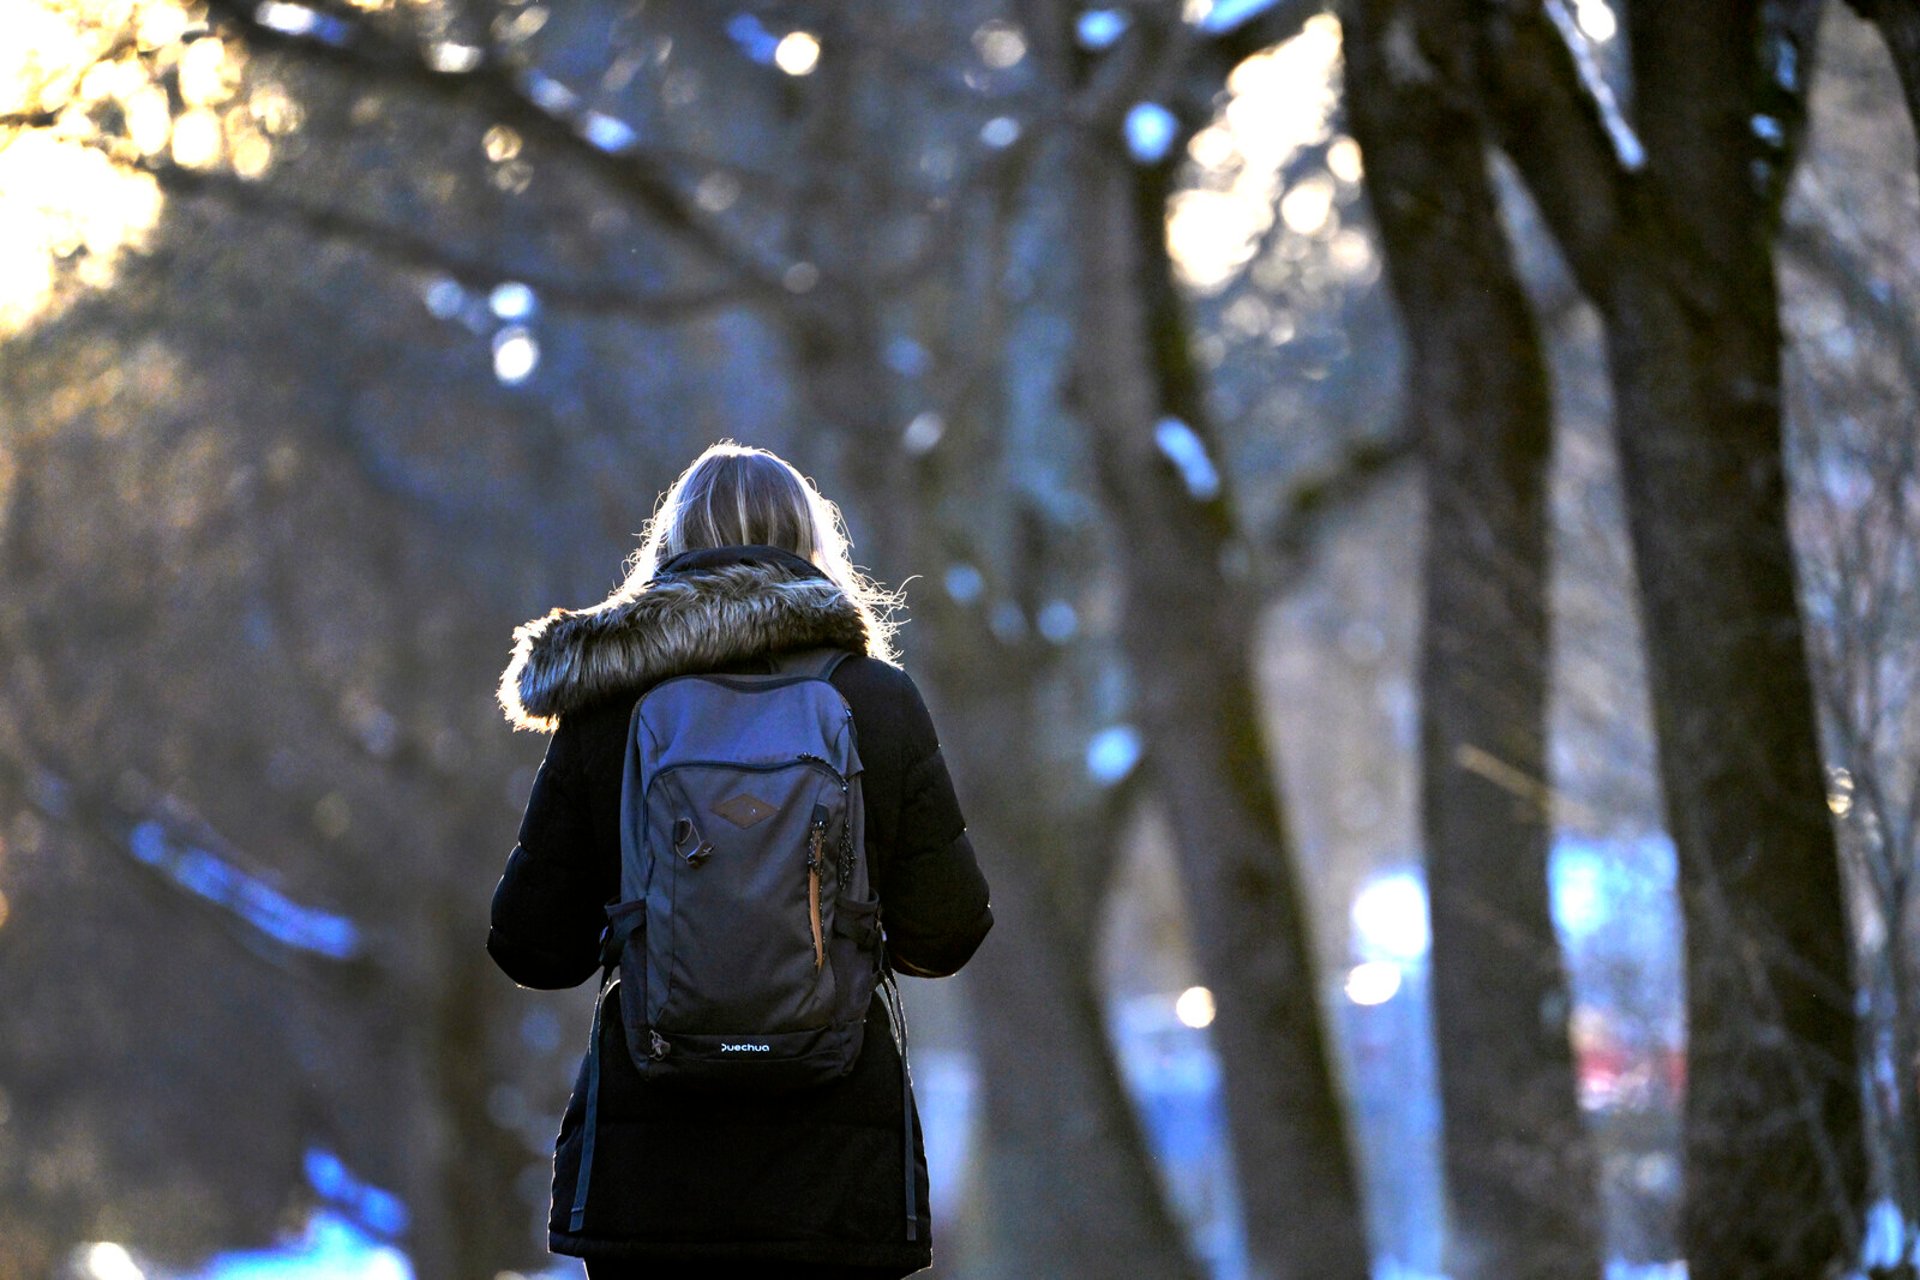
738, 495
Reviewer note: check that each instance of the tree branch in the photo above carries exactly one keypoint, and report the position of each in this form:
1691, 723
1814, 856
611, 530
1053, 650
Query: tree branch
1109, 89
1314, 497
1545, 116
29, 120
1899, 24
423, 253
1184, 64
540, 108
181, 853
1817, 249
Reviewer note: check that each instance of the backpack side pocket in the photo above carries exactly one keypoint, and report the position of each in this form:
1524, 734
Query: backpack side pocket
625, 945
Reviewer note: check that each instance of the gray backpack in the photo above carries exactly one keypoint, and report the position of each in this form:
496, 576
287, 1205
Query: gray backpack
747, 934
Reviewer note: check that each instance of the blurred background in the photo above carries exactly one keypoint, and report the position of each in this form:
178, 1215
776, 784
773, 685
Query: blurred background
1408, 518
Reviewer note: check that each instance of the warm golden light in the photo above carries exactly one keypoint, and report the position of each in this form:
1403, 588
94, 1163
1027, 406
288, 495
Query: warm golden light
500, 143
1209, 236
149, 120
160, 25
1344, 160
798, 53
251, 155
88, 81
276, 112
1000, 44
204, 73
1351, 254
1307, 207
57, 199
196, 139
1282, 101
1212, 147
1840, 792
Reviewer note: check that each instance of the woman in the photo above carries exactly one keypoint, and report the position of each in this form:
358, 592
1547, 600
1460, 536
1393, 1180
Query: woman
742, 561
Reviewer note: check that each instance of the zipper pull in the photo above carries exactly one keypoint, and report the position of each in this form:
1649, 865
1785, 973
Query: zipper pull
817, 837
685, 834
816, 861
657, 1046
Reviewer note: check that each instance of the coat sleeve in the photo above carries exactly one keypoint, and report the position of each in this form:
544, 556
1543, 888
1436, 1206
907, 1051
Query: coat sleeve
548, 908
933, 897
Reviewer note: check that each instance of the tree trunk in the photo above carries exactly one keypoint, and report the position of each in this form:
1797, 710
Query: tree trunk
1065, 1170
1774, 1151
1186, 632
1067, 1175
480, 1160
1068, 1182
1519, 1164
1774, 1154
1673, 237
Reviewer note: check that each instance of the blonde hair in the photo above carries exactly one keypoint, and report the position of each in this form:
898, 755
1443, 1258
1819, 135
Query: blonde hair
739, 495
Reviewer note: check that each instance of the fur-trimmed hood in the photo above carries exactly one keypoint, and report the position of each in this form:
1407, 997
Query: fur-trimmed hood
702, 611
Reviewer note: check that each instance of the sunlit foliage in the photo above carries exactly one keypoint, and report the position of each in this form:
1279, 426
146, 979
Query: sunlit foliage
98, 103
1282, 102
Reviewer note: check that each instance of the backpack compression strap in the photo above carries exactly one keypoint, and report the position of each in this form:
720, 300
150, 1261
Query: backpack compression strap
613, 940
591, 1121
897, 1024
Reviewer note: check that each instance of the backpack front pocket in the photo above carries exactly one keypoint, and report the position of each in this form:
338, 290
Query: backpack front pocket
746, 855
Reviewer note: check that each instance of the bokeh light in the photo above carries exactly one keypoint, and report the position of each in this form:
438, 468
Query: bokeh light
515, 355
1195, 1007
1374, 982
66, 213
1389, 918
109, 1261
1000, 44
798, 53
1596, 20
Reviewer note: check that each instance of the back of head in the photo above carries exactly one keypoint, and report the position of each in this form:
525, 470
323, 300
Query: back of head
738, 495
734, 495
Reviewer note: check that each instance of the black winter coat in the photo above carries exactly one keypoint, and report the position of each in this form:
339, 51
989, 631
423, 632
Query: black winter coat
814, 1177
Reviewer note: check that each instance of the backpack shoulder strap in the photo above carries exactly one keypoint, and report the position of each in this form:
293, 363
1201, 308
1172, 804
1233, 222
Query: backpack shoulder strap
821, 662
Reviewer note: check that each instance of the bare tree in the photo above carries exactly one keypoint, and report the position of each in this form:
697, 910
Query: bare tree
1188, 625
1519, 1165
1667, 216
1853, 368
1067, 1178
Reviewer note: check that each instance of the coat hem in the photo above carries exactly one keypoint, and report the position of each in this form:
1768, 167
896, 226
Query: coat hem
908, 1257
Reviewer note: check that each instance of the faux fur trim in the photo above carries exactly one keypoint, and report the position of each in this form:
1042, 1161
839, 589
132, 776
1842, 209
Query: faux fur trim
697, 620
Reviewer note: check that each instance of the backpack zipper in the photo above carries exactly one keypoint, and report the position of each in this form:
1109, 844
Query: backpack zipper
816, 858
805, 757
821, 762
846, 829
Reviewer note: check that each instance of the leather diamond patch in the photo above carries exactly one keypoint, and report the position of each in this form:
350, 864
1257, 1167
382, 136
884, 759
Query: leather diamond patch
744, 809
